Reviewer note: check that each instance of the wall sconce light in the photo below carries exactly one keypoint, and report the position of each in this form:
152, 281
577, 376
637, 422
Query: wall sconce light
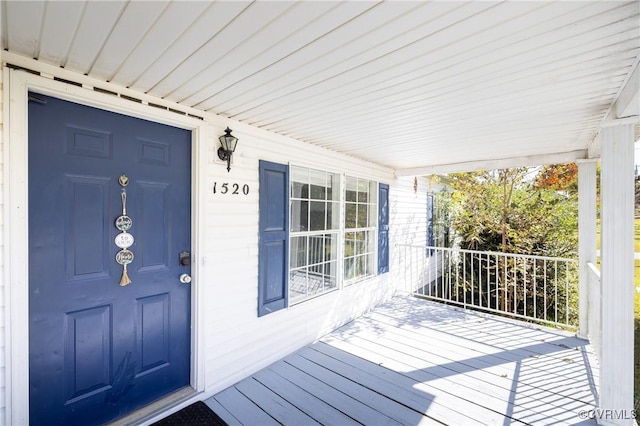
228, 142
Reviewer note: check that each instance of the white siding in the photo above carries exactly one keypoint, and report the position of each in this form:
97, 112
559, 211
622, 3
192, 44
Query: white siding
408, 215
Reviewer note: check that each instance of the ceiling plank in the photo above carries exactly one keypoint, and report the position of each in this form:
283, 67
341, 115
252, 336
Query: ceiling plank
60, 24
171, 25
307, 22
98, 20
252, 19
24, 24
135, 21
213, 20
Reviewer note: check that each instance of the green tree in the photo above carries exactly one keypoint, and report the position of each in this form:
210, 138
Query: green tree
529, 211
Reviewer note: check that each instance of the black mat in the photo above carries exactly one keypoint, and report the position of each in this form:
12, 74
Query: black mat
196, 414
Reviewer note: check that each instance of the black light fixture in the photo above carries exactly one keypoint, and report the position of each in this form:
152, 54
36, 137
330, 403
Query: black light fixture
228, 142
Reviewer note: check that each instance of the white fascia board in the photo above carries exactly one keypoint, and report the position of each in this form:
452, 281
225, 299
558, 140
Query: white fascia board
502, 163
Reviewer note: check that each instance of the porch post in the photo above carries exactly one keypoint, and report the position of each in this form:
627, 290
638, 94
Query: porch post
617, 260
586, 236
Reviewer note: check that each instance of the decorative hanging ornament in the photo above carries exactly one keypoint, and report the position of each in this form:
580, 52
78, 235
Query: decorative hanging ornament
124, 240
124, 257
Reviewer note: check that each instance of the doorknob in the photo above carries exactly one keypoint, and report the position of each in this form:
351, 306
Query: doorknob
185, 279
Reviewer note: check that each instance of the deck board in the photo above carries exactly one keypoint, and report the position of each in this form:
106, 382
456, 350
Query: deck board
556, 374
411, 361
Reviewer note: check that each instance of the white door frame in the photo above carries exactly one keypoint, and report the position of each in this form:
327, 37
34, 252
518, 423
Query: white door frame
17, 84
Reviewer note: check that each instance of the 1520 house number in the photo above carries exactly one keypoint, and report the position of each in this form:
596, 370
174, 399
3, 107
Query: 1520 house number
230, 188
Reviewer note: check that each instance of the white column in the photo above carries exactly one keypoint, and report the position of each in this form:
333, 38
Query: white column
617, 258
586, 236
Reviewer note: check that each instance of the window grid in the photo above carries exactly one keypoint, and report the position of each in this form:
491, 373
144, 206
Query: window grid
314, 233
360, 229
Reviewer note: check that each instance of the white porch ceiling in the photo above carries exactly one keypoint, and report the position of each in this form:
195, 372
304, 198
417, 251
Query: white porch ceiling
409, 85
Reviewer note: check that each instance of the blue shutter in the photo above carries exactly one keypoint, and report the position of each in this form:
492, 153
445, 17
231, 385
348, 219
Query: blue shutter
383, 228
273, 248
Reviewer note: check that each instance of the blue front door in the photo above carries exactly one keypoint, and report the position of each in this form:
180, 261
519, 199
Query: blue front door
99, 350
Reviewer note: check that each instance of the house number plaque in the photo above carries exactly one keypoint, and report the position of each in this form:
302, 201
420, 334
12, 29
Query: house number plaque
230, 188
124, 239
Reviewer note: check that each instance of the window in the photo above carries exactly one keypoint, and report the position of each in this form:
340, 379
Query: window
314, 232
360, 226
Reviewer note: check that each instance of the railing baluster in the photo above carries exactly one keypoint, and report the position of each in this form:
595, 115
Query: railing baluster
524, 286
488, 282
515, 284
497, 292
545, 290
555, 285
535, 289
566, 293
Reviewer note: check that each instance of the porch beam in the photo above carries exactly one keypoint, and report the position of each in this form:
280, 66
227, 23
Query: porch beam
500, 163
617, 260
625, 110
586, 236
628, 102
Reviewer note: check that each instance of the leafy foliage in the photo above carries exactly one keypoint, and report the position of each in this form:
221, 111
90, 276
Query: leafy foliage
512, 211
524, 211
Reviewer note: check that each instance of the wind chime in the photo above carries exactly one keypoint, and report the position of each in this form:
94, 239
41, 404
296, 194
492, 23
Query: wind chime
124, 239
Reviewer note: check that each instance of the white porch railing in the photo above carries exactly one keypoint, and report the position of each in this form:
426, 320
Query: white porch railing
595, 309
538, 288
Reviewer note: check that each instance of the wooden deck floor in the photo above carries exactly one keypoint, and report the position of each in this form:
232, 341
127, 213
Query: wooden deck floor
412, 362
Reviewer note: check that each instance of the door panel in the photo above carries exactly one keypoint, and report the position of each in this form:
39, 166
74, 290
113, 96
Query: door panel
98, 350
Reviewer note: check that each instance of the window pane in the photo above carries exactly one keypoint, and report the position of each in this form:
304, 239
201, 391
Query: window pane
316, 249
317, 216
299, 174
363, 216
298, 190
349, 244
360, 266
350, 215
318, 181
370, 265
361, 242
349, 271
317, 192
298, 251
299, 215
330, 271
333, 215
352, 188
330, 247
363, 191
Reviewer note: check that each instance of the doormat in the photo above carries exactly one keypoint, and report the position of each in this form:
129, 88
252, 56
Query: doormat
196, 414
